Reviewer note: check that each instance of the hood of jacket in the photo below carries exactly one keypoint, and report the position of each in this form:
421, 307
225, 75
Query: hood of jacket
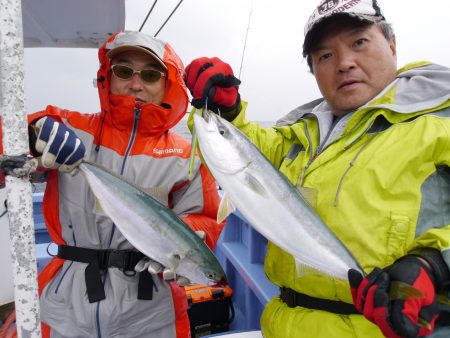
119, 110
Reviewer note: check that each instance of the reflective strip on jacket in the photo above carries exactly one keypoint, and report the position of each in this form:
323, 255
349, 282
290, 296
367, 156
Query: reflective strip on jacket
382, 186
134, 141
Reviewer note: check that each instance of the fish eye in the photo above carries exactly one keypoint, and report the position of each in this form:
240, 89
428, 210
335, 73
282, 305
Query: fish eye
211, 275
222, 131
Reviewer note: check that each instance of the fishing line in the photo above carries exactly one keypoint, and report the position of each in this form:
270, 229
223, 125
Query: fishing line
148, 14
245, 41
168, 18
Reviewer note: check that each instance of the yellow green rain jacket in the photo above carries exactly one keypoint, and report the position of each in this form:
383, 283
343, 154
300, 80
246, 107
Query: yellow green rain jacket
382, 186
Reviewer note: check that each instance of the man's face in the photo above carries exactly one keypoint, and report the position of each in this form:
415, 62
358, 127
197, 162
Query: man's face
353, 64
143, 92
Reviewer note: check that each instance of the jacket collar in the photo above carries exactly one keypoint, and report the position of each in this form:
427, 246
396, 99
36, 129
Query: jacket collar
419, 86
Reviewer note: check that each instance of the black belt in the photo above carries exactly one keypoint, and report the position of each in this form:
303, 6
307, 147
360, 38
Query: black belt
101, 259
293, 298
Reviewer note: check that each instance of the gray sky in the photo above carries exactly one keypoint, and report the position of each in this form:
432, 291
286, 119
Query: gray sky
275, 78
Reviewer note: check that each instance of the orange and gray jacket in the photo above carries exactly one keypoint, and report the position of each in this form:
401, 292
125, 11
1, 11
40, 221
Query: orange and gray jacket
135, 142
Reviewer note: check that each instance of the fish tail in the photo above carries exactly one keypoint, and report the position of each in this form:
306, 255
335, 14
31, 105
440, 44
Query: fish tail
400, 290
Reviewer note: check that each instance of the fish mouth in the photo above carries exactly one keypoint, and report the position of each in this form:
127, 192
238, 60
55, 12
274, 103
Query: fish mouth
207, 115
211, 117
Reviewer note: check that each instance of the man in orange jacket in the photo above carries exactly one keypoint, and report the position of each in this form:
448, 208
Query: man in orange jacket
142, 95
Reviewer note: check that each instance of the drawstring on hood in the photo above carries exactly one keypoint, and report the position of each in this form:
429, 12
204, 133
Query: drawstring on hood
100, 81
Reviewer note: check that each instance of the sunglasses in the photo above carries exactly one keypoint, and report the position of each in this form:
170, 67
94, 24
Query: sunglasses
147, 75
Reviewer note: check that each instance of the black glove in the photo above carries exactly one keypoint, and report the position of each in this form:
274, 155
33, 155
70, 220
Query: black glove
400, 315
213, 79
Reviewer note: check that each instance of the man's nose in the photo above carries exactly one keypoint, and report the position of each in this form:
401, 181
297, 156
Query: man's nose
345, 61
136, 82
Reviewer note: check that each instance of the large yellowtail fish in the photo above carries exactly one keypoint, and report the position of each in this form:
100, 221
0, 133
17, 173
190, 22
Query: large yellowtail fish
268, 200
273, 206
152, 228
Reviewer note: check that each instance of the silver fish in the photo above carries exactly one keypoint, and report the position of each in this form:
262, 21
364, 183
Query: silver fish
152, 228
268, 200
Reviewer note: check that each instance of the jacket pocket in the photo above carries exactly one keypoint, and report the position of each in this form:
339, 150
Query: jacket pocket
397, 236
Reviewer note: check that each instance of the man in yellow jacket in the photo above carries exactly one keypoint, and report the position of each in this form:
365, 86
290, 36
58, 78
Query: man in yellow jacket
375, 153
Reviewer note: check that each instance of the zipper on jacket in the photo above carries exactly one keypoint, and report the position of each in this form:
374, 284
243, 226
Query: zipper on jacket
321, 148
97, 320
311, 155
350, 165
137, 112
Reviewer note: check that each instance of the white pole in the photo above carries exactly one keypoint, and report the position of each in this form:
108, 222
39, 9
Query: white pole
15, 143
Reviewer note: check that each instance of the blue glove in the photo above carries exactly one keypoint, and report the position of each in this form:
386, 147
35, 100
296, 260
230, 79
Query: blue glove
60, 147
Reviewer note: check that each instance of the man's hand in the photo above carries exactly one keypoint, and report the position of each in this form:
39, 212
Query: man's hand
398, 316
60, 147
213, 79
155, 268
168, 275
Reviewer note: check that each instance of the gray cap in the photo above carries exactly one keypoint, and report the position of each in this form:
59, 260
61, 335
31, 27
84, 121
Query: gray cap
131, 40
365, 10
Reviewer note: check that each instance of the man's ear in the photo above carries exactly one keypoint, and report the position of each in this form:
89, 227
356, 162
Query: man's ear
393, 45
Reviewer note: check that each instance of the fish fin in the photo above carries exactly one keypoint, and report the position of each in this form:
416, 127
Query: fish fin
256, 185
98, 207
201, 234
424, 323
401, 290
194, 146
309, 195
226, 207
174, 261
183, 281
304, 269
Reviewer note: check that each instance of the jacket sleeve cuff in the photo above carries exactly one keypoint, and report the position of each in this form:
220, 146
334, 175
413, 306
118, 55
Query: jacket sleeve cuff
440, 269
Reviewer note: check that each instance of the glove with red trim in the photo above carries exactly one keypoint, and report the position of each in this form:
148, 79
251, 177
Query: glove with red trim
213, 79
398, 316
60, 148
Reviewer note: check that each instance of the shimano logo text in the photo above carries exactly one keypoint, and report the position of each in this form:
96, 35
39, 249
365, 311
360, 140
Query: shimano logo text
167, 151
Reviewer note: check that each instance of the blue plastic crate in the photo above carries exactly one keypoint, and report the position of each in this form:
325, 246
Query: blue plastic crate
241, 250
40, 230
42, 256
